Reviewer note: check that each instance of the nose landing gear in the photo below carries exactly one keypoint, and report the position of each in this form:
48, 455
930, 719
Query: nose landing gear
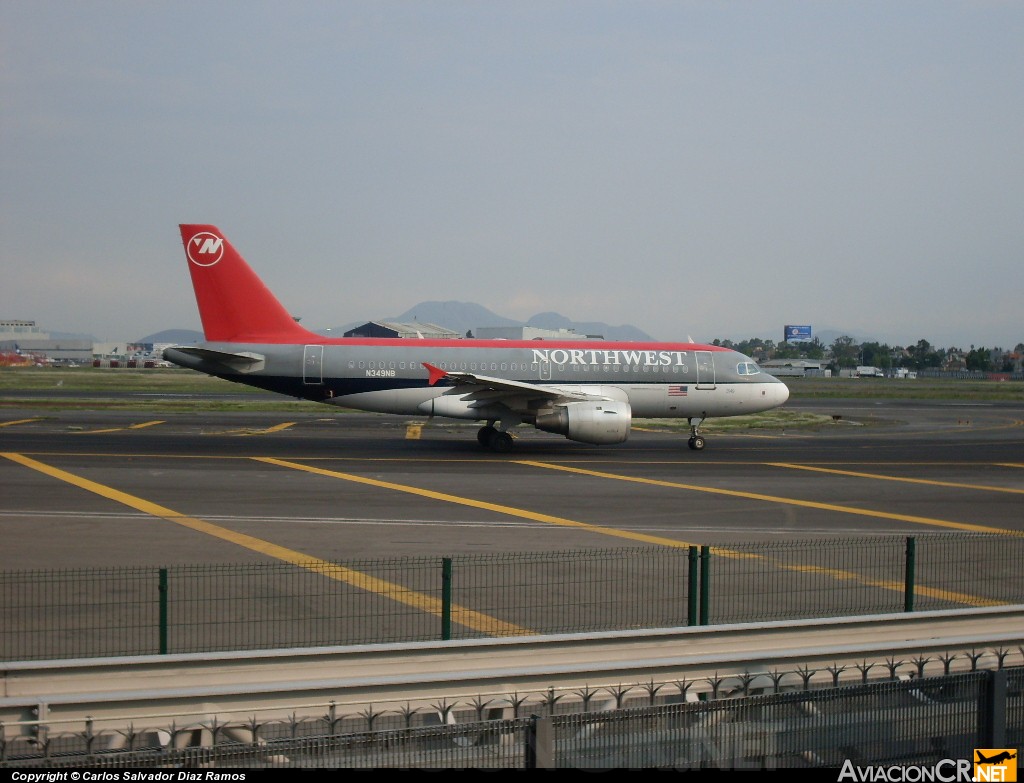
696, 441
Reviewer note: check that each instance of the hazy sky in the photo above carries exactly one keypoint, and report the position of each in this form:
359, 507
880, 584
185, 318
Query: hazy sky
703, 169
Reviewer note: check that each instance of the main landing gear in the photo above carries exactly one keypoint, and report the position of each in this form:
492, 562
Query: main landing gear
696, 441
490, 437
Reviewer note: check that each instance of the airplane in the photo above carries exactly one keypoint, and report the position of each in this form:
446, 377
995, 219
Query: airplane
1003, 756
586, 390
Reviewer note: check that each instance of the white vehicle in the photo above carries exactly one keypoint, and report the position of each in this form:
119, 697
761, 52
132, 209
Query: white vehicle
870, 372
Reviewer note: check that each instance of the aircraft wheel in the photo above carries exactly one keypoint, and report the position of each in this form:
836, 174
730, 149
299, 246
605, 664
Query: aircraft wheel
484, 435
696, 443
501, 442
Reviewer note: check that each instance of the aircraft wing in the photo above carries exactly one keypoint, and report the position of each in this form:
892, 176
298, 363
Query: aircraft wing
493, 389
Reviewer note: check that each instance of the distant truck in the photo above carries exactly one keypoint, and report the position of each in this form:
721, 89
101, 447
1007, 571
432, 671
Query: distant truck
870, 372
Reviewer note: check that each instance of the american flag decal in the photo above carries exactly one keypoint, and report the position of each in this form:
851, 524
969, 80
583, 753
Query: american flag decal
676, 391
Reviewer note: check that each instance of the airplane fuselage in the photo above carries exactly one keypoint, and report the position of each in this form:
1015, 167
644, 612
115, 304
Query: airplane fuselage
389, 376
587, 390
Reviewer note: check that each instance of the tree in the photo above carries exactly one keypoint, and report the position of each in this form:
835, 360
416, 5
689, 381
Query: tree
814, 349
845, 352
876, 355
787, 351
922, 355
979, 359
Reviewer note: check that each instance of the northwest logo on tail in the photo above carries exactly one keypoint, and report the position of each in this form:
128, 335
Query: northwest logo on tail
205, 249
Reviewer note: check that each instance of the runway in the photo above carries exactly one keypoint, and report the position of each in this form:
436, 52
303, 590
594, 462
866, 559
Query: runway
88, 489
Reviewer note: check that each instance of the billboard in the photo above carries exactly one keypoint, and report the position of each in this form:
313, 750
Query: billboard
794, 333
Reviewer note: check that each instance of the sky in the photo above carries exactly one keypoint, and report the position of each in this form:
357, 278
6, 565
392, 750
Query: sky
696, 169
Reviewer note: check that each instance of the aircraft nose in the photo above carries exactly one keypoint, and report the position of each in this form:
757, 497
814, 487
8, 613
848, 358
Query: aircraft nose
781, 393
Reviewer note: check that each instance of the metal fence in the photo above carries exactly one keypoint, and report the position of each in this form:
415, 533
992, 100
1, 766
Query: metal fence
141, 611
904, 723
917, 722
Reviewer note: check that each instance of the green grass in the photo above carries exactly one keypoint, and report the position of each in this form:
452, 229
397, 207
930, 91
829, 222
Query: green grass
91, 379
156, 382
65, 382
904, 389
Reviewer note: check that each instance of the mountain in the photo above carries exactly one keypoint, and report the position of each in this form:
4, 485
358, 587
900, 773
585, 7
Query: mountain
460, 317
176, 336
463, 317
557, 321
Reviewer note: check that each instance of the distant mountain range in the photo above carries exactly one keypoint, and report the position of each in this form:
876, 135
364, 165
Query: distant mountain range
459, 317
175, 336
463, 317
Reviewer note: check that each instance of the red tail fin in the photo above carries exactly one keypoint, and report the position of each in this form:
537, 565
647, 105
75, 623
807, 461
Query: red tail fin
234, 304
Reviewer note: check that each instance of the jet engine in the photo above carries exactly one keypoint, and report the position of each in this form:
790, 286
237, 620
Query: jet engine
589, 421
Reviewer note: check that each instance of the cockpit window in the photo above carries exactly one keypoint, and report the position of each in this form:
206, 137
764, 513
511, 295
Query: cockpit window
747, 368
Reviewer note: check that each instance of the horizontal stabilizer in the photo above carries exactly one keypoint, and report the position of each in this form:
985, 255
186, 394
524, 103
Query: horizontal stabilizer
191, 356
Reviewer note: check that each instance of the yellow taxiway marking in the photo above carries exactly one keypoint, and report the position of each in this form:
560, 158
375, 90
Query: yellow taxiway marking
1010, 464
467, 617
413, 431
886, 584
835, 573
481, 504
671, 542
880, 477
17, 421
275, 428
462, 615
139, 426
864, 512
247, 431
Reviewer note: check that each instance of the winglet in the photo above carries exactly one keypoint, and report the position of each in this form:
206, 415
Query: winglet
436, 373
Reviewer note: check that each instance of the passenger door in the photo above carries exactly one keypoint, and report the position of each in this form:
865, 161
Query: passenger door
313, 365
705, 369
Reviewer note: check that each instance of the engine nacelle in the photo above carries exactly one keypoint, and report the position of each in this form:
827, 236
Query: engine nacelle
597, 421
